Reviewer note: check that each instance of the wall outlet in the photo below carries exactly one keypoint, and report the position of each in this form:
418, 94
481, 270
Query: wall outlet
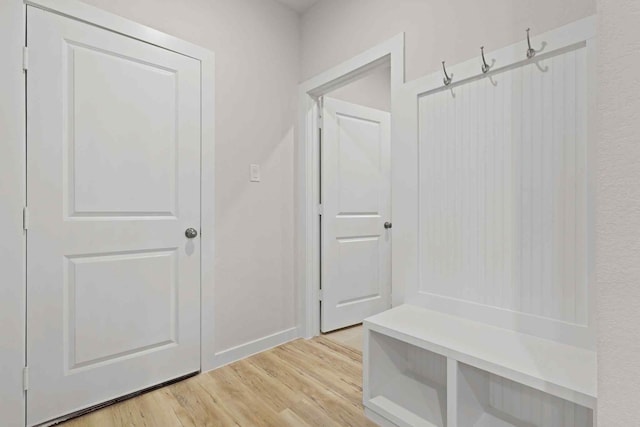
255, 173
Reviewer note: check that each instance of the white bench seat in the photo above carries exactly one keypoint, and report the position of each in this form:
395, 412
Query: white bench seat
551, 367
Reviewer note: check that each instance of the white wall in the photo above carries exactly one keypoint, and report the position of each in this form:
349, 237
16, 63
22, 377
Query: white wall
256, 43
12, 195
618, 214
436, 30
372, 90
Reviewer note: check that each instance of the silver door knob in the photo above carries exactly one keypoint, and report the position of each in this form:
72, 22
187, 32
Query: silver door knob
191, 233
387, 225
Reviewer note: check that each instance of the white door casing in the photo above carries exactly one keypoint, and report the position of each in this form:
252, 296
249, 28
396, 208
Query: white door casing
307, 224
356, 203
113, 284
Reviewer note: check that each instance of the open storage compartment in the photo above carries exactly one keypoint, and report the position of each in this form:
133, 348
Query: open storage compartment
407, 384
488, 400
426, 368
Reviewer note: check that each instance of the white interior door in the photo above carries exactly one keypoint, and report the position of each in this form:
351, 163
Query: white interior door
356, 204
113, 182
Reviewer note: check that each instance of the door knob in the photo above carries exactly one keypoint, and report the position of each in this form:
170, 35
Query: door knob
388, 225
191, 233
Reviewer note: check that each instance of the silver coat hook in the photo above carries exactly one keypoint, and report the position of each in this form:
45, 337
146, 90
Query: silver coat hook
447, 78
531, 52
485, 67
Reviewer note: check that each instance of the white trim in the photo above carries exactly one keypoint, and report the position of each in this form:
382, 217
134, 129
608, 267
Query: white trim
406, 197
378, 419
307, 160
12, 202
111, 22
207, 212
243, 351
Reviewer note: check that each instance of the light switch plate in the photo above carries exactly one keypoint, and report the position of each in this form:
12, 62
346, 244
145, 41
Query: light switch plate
255, 173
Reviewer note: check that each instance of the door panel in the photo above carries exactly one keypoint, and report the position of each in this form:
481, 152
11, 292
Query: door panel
356, 257
106, 125
113, 164
98, 284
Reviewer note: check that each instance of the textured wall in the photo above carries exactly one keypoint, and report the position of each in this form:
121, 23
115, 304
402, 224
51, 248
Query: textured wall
618, 214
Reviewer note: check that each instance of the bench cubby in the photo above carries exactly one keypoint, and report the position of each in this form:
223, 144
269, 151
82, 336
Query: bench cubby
408, 383
489, 400
426, 368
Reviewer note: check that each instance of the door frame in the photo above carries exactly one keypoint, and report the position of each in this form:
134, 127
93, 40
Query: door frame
13, 171
12, 200
307, 272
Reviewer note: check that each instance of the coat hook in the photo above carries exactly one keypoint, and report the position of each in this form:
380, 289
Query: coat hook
447, 78
531, 52
485, 67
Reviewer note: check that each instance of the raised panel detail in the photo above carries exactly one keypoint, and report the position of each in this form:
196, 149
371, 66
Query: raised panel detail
359, 165
503, 190
121, 138
119, 305
359, 272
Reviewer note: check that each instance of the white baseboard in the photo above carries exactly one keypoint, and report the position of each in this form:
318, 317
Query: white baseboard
243, 351
378, 419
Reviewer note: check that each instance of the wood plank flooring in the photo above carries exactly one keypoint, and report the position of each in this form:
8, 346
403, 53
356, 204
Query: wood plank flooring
351, 337
299, 384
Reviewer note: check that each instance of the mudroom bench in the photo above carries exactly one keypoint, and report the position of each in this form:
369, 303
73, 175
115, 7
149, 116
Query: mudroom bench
426, 368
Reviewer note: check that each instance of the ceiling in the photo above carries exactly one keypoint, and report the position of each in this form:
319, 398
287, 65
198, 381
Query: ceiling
300, 6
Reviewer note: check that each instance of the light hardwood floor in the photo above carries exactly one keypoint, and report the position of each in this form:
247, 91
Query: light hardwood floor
299, 384
351, 337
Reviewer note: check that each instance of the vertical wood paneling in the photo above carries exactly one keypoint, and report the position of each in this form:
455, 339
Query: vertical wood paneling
558, 82
581, 298
546, 206
526, 207
528, 406
503, 189
490, 400
426, 365
508, 196
569, 99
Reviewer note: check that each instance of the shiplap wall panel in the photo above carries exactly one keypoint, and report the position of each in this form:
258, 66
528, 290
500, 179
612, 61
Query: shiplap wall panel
426, 365
535, 408
488, 400
503, 189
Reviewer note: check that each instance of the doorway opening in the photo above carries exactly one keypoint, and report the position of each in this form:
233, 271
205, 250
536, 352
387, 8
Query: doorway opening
344, 165
355, 200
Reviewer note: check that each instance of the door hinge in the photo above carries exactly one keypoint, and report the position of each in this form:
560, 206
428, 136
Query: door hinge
320, 210
320, 112
320, 295
25, 378
25, 218
25, 58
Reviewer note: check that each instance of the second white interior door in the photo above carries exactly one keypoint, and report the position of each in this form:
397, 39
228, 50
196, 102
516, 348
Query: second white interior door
356, 202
